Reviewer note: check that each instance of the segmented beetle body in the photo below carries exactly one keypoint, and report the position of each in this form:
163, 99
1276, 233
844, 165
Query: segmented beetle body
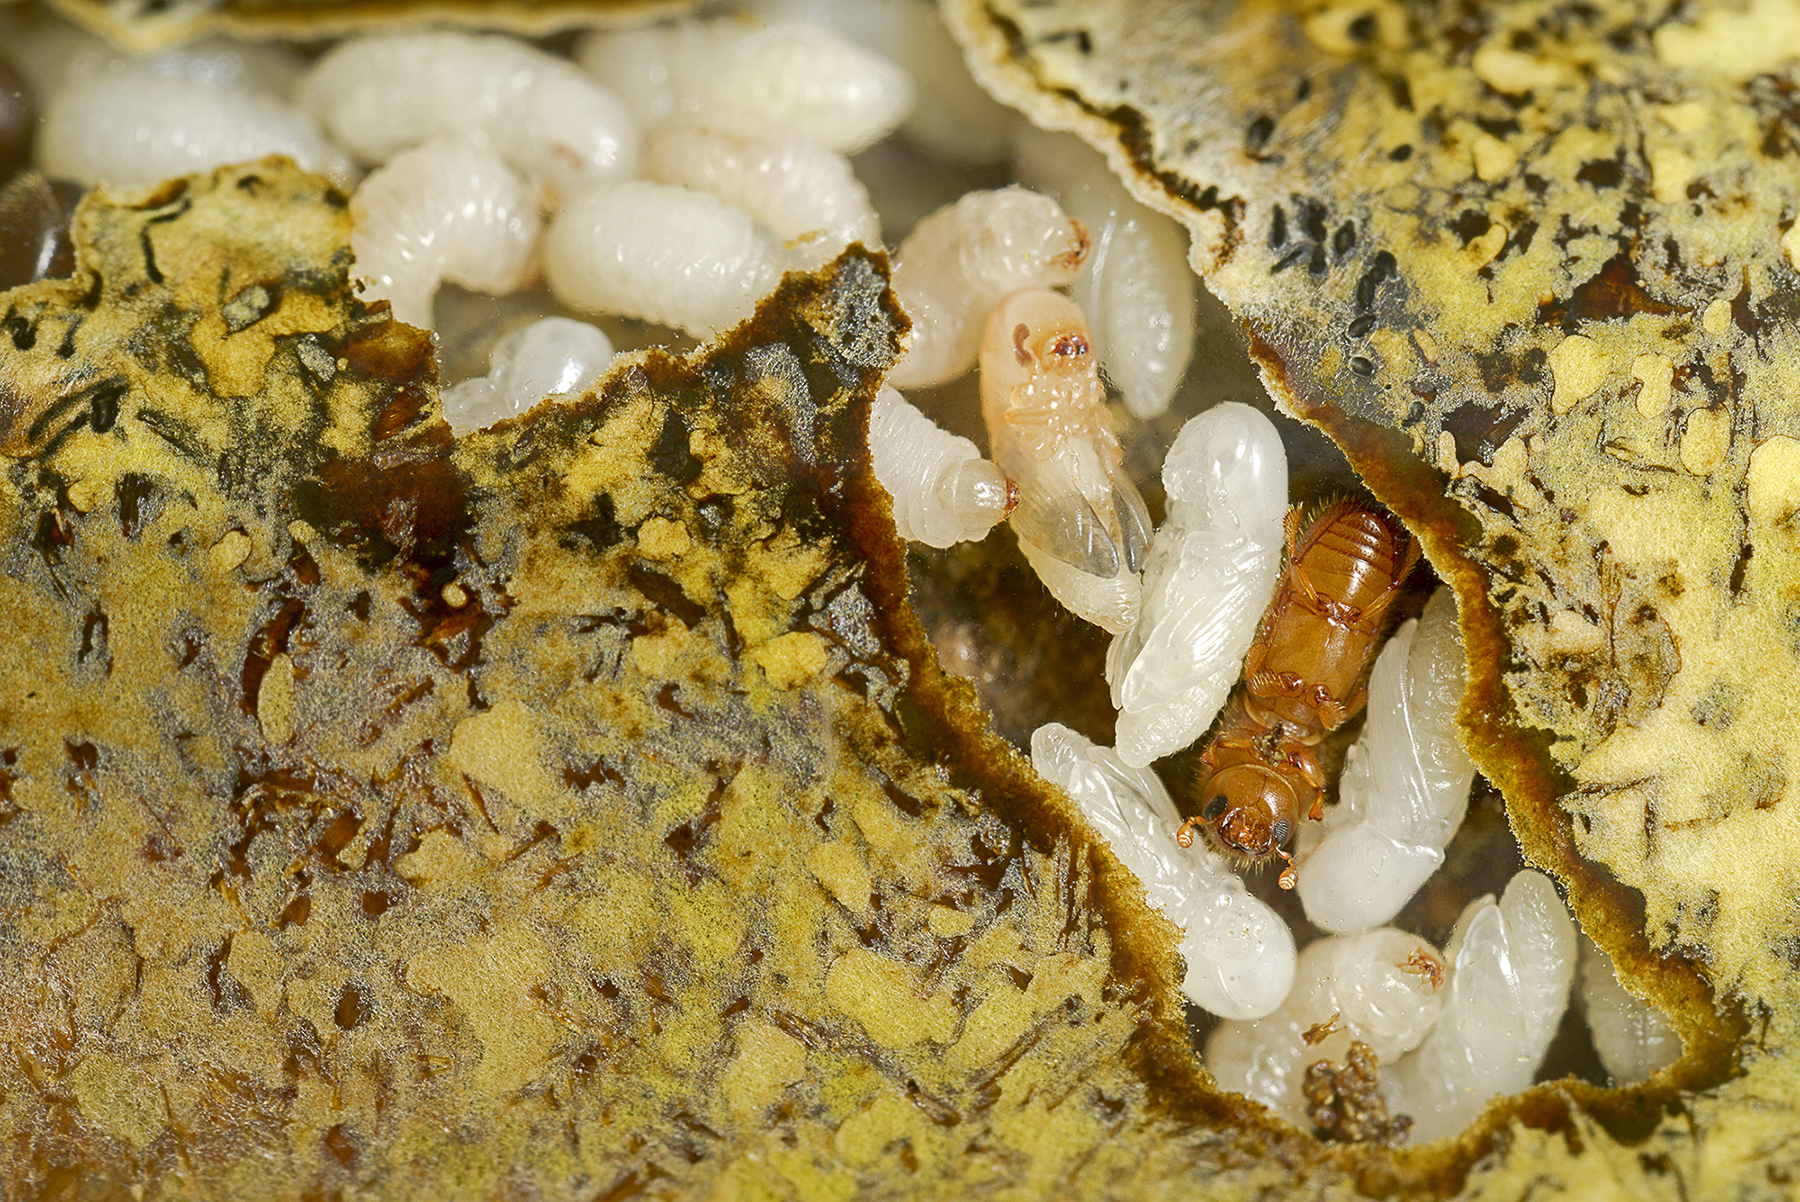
1303, 677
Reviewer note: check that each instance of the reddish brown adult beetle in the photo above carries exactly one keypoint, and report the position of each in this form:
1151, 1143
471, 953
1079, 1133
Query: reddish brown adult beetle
1303, 677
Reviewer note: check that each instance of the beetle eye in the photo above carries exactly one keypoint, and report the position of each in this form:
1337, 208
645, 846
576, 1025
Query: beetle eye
1281, 832
1214, 809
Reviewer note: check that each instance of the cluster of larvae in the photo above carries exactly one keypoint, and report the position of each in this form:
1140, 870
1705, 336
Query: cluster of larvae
670, 174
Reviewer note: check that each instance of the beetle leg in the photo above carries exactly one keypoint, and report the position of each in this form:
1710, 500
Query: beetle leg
1331, 711
1307, 761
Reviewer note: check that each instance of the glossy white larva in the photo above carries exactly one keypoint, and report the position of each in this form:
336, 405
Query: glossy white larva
141, 128
953, 118
52, 55
1211, 570
943, 491
1136, 287
1080, 520
1240, 955
961, 261
551, 357
660, 252
442, 211
1405, 785
552, 122
804, 194
805, 79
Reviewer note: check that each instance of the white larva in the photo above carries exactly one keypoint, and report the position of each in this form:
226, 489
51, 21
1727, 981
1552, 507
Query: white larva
443, 211
660, 252
134, 128
802, 193
953, 118
1380, 988
551, 357
1510, 968
1240, 955
1633, 1037
1080, 520
803, 78
552, 122
943, 491
1405, 785
52, 54
1137, 287
961, 261
1211, 570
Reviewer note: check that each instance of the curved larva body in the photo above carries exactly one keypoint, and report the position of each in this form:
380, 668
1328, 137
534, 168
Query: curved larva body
962, 260
1633, 1037
659, 252
380, 94
551, 357
1368, 981
1405, 785
1510, 966
52, 55
1137, 287
1080, 520
953, 118
802, 193
137, 129
943, 491
441, 211
805, 79
1240, 954
1207, 580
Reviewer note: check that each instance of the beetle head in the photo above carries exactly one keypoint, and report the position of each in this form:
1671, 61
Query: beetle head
1250, 809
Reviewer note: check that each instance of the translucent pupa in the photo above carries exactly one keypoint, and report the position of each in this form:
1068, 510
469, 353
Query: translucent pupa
1080, 519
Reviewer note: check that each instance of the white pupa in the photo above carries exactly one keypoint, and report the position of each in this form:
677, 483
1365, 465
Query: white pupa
138, 128
551, 357
552, 122
805, 195
660, 252
1210, 573
443, 211
805, 79
943, 491
1136, 287
961, 261
1080, 520
1240, 955
1405, 785
1381, 988
1634, 1038
1511, 964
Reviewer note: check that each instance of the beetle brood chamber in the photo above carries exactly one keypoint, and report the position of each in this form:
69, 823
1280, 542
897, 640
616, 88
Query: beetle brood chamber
991, 621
